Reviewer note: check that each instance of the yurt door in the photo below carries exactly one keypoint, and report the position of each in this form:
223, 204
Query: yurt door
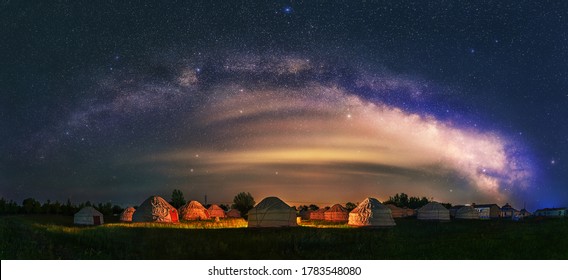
96, 220
174, 216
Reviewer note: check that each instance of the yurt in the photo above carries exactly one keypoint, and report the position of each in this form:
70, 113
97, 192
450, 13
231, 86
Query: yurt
155, 209
318, 214
467, 212
126, 215
371, 213
434, 211
233, 213
305, 214
215, 211
193, 210
88, 216
410, 212
336, 213
396, 211
272, 212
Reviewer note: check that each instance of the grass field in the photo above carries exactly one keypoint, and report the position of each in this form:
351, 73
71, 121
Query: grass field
54, 237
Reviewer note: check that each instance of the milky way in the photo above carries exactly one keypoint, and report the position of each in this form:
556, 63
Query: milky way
311, 103
281, 125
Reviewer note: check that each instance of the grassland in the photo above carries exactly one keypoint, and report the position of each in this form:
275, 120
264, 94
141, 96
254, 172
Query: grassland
54, 237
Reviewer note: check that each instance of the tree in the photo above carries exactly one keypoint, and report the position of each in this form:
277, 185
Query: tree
177, 199
350, 206
31, 206
224, 207
243, 202
313, 207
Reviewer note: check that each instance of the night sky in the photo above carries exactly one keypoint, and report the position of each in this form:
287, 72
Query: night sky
310, 101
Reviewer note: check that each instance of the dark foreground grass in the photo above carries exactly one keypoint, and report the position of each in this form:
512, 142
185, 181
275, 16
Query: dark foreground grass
54, 237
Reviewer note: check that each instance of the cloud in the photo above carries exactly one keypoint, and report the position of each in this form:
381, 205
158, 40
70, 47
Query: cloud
320, 136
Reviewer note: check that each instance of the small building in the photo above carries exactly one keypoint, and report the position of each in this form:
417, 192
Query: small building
551, 212
524, 213
88, 216
508, 212
487, 211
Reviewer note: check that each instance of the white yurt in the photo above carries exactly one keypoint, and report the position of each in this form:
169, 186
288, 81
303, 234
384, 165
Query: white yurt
126, 215
371, 213
193, 210
88, 216
434, 211
272, 212
155, 209
467, 212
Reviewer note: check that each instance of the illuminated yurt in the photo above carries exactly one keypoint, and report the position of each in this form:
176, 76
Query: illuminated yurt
371, 213
434, 211
88, 216
126, 215
318, 214
215, 211
396, 211
155, 209
467, 213
336, 213
233, 213
272, 212
193, 210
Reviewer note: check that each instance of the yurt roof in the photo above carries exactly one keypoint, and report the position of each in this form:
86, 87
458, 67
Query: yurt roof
369, 203
272, 202
433, 206
194, 204
89, 211
157, 202
465, 209
337, 208
215, 207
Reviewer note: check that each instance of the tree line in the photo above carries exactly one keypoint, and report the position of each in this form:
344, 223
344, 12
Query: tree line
32, 206
243, 202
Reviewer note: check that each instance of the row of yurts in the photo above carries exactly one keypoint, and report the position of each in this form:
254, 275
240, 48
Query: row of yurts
273, 212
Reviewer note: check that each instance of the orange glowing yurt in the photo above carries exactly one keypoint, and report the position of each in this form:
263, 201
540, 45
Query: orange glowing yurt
155, 209
216, 212
336, 213
126, 215
193, 210
318, 214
